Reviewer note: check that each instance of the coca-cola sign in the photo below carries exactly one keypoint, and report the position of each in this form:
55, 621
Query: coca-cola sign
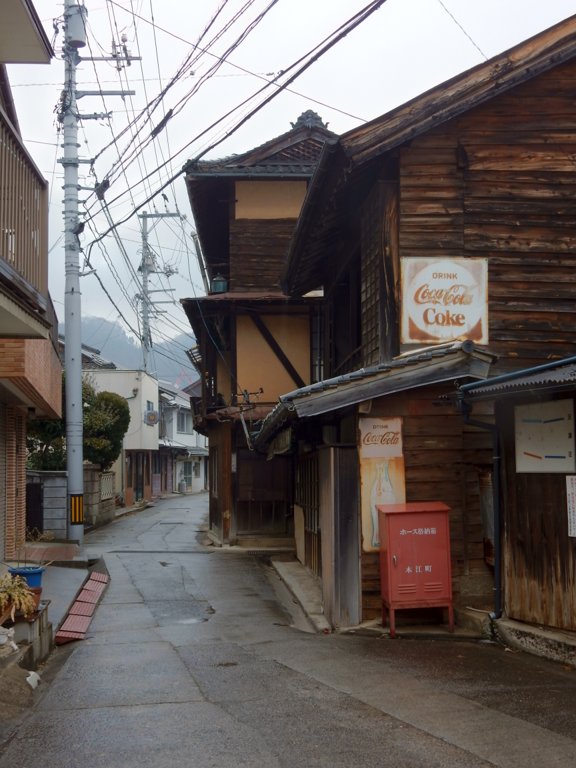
444, 300
381, 472
380, 437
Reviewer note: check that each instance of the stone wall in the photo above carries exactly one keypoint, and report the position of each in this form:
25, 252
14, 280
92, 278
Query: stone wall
97, 511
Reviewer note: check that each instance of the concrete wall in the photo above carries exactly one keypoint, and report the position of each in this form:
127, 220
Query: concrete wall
54, 486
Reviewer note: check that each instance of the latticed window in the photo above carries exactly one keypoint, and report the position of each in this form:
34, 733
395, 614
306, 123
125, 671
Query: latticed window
370, 281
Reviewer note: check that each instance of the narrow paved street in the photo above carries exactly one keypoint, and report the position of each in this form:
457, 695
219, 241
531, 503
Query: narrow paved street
191, 660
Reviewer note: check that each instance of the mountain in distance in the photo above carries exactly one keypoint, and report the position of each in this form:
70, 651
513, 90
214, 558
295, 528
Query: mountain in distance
167, 362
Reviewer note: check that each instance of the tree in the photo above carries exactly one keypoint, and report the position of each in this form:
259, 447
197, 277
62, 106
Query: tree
46, 444
106, 420
106, 417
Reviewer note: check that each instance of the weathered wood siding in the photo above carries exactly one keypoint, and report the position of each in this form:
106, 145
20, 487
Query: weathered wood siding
539, 556
499, 183
258, 250
443, 458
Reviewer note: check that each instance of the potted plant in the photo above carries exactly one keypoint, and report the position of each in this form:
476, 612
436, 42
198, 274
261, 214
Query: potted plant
15, 596
30, 563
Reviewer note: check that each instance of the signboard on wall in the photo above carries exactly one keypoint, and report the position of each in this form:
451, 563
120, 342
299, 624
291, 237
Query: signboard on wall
544, 437
381, 472
571, 504
444, 300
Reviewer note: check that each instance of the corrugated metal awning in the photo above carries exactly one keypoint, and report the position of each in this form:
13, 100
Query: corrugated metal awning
558, 375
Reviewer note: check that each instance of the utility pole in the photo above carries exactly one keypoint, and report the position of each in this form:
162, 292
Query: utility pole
74, 39
147, 267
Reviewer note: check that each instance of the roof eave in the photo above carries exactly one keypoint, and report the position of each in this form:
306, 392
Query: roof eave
317, 195
465, 91
427, 368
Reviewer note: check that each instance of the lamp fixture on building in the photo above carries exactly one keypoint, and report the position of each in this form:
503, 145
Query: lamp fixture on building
219, 284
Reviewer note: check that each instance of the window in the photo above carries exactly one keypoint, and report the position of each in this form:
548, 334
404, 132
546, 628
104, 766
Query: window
189, 470
345, 323
185, 422
149, 405
186, 473
317, 350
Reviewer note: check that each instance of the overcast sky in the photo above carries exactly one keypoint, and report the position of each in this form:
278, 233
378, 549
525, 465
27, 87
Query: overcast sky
404, 48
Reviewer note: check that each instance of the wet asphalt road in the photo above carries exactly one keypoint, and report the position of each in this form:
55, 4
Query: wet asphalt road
192, 661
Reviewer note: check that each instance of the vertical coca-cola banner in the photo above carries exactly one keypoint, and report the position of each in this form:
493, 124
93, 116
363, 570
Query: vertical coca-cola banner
381, 472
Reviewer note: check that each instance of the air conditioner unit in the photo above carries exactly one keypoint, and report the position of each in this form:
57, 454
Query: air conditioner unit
151, 418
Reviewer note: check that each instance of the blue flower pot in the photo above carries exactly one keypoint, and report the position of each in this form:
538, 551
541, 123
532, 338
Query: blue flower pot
32, 574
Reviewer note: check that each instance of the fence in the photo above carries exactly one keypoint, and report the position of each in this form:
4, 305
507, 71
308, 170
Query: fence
107, 490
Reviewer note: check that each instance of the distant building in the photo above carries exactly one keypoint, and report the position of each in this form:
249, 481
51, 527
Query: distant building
183, 450
137, 469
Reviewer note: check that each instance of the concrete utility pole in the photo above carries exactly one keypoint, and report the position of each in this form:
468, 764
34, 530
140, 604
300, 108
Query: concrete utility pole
147, 267
74, 39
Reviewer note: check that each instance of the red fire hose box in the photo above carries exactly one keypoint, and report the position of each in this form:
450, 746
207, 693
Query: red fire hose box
415, 569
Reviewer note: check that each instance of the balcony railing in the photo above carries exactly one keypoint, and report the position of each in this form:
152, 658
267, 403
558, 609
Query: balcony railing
23, 217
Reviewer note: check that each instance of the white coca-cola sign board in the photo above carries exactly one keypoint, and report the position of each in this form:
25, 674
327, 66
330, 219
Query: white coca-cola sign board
380, 438
444, 300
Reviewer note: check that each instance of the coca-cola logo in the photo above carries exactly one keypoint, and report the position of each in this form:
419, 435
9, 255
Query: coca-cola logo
454, 295
383, 438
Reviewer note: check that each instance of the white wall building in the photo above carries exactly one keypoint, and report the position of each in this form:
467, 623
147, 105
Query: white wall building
178, 438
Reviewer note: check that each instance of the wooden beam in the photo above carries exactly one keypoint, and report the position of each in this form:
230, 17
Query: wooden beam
277, 349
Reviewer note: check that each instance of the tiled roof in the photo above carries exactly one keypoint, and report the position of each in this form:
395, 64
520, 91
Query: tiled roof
291, 152
433, 365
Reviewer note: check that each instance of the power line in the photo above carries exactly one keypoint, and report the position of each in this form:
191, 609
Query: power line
246, 71
170, 114
461, 28
309, 59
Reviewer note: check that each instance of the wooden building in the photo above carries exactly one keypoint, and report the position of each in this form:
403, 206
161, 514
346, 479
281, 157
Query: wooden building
254, 342
535, 430
448, 220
